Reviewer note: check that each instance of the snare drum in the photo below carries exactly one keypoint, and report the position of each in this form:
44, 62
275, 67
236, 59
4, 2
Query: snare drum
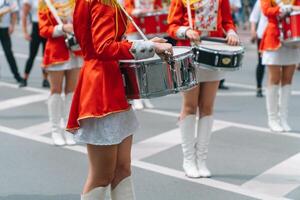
290, 29
218, 56
153, 77
153, 23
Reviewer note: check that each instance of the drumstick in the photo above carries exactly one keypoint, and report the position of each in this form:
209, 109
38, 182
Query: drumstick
189, 13
133, 22
168, 57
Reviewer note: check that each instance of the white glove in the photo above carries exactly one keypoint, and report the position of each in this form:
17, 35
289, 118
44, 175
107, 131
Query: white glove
286, 8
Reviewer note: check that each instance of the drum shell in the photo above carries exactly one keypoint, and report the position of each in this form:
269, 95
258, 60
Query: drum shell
153, 24
156, 78
218, 60
291, 30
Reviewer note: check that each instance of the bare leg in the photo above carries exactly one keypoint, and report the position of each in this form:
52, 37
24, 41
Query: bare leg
187, 125
286, 81
207, 95
55, 103
56, 81
123, 168
102, 166
190, 102
122, 187
71, 80
272, 99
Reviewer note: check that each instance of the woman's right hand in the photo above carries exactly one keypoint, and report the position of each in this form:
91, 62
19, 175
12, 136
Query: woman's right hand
163, 48
194, 36
68, 28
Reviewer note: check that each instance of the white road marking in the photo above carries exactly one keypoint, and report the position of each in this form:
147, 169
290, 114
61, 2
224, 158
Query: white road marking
154, 168
39, 129
234, 124
162, 142
246, 94
21, 101
279, 180
241, 85
208, 182
30, 89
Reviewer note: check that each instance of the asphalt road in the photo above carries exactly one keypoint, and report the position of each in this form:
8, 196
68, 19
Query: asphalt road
247, 160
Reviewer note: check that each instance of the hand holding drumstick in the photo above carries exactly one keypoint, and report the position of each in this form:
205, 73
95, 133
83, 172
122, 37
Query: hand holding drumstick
232, 39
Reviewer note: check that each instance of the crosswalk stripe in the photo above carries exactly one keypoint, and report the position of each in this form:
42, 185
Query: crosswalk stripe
22, 101
279, 180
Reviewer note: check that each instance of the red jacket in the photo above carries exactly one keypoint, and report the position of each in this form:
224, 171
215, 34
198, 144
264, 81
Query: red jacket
99, 29
129, 6
56, 51
271, 38
178, 17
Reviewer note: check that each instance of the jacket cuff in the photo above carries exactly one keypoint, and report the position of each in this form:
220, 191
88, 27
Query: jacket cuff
141, 49
232, 32
58, 31
181, 32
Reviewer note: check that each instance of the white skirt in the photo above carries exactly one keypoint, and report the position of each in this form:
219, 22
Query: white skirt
209, 75
74, 63
109, 130
283, 56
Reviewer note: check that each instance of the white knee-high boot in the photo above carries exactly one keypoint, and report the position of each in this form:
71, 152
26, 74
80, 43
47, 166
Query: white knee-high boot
187, 128
124, 190
98, 193
283, 106
68, 101
55, 115
273, 108
204, 131
137, 104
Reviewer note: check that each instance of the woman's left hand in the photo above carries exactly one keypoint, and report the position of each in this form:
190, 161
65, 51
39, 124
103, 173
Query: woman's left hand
233, 39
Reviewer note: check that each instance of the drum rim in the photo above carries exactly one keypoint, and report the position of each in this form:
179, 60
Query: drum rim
295, 13
241, 51
159, 60
213, 68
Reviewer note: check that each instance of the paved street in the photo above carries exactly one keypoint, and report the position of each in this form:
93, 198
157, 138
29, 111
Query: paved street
247, 160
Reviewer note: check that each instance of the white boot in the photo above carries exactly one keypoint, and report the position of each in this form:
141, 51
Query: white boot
204, 131
187, 129
273, 108
98, 193
283, 107
68, 101
124, 190
148, 103
137, 104
55, 114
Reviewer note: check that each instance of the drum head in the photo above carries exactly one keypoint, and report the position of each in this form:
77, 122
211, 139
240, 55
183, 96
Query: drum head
220, 47
178, 53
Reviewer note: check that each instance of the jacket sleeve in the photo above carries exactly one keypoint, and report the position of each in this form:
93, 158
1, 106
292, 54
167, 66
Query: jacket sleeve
176, 19
46, 27
268, 9
103, 29
227, 22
